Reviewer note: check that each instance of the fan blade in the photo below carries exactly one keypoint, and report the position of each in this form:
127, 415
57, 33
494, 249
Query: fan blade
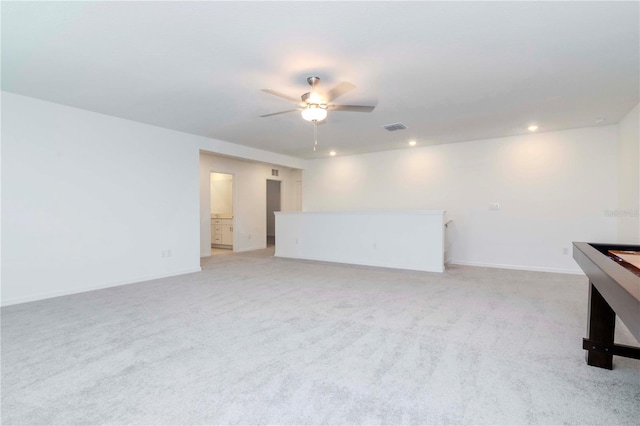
354, 108
339, 90
282, 95
281, 112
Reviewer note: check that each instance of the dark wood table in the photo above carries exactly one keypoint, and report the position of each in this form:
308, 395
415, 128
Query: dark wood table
614, 289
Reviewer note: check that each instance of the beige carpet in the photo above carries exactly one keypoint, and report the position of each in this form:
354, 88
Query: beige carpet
254, 339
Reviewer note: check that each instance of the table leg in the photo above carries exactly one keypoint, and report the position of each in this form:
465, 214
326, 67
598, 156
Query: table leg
602, 323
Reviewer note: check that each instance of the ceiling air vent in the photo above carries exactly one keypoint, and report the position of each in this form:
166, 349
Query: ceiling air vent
395, 126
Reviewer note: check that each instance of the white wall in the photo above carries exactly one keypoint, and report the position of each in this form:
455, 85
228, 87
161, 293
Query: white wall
553, 188
247, 153
394, 239
250, 199
628, 211
92, 201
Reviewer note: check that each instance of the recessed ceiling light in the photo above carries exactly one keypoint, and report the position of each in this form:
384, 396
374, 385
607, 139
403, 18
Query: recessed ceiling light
412, 143
332, 153
532, 128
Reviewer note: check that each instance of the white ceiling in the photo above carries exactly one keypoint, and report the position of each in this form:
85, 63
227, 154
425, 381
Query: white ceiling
449, 71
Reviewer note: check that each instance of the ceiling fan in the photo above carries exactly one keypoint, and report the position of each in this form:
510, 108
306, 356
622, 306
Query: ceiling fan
314, 106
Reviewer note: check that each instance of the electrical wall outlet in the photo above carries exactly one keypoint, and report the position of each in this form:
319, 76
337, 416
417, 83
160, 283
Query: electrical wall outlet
494, 206
565, 251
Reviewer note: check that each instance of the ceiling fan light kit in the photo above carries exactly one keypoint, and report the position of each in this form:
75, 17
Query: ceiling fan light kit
314, 107
314, 113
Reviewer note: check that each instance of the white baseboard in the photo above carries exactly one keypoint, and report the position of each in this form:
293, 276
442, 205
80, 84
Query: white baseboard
250, 249
372, 264
49, 295
516, 267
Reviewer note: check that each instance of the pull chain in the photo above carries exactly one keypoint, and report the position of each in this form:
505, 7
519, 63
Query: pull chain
315, 135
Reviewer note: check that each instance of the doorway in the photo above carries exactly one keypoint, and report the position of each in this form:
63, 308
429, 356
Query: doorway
273, 205
221, 208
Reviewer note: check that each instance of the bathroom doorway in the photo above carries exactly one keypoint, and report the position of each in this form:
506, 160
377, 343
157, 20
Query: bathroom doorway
221, 208
274, 197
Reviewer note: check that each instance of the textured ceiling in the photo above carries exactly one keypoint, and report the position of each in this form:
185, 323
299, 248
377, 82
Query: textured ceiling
450, 71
